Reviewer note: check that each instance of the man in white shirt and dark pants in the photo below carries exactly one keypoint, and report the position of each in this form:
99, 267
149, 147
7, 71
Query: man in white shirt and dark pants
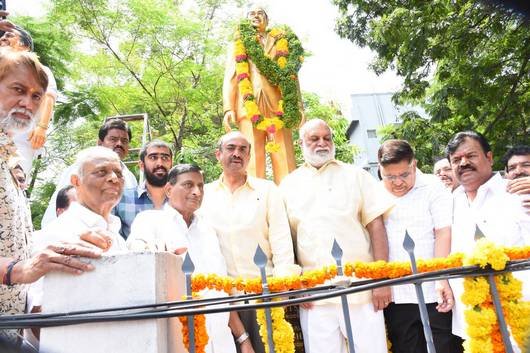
423, 209
176, 228
481, 202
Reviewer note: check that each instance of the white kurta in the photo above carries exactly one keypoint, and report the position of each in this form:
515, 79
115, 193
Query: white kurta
166, 230
500, 217
67, 227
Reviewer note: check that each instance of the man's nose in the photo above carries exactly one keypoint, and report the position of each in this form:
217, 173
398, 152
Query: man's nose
113, 176
464, 161
28, 103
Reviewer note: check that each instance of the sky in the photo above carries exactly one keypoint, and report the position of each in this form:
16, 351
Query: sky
335, 70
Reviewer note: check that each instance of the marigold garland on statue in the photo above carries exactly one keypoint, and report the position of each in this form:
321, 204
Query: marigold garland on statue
282, 71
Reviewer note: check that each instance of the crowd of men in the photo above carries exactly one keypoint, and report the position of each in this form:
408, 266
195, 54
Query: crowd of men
100, 208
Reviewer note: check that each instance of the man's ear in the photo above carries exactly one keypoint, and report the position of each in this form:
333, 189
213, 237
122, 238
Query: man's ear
75, 180
100, 142
489, 156
141, 165
167, 189
217, 154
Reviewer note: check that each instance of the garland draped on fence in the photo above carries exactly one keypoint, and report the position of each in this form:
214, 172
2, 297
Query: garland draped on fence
483, 329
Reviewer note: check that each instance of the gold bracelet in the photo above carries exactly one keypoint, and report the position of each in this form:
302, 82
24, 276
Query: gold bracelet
42, 126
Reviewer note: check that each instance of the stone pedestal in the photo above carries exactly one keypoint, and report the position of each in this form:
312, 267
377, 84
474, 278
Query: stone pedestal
120, 280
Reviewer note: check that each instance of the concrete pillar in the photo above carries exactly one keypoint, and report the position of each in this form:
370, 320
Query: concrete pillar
119, 280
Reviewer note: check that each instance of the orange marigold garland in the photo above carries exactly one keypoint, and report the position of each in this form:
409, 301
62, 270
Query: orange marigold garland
201, 335
313, 278
484, 331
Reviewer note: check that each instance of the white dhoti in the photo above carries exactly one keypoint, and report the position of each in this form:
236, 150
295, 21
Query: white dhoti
324, 329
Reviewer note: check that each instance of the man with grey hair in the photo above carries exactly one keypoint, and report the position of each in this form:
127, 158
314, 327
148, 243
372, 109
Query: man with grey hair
114, 134
98, 181
177, 228
22, 84
328, 200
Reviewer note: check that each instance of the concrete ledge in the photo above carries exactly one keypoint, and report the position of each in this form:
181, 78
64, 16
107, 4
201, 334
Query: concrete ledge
119, 280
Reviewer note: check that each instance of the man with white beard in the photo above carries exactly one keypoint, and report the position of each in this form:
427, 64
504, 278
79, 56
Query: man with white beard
326, 200
22, 85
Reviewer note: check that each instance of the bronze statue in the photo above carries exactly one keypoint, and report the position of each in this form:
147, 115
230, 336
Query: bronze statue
261, 93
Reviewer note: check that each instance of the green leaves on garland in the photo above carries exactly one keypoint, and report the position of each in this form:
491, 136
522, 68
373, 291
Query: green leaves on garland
285, 78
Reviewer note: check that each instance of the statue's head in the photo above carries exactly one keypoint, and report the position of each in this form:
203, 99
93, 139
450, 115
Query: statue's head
258, 16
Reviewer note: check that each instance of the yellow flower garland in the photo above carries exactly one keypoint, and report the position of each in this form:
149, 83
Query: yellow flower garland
269, 124
282, 331
483, 329
482, 323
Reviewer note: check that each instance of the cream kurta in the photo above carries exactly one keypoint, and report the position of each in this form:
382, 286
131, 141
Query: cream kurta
254, 214
336, 201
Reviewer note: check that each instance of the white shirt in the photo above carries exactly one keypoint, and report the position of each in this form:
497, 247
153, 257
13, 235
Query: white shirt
425, 208
67, 227
501, 219
166, 230
336, 201
64, 180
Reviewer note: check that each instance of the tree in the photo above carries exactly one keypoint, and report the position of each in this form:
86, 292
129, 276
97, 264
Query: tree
465, 62
148, 56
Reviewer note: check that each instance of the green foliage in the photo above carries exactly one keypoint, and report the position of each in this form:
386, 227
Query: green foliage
466, 62
53, 45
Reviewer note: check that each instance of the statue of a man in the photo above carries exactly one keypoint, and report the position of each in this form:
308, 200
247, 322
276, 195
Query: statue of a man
261, 93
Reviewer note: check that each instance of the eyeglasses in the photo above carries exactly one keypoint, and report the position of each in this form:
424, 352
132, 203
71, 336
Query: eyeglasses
402, 176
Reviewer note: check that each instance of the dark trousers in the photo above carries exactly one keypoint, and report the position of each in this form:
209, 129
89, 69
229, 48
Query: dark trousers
405, 331
248, 318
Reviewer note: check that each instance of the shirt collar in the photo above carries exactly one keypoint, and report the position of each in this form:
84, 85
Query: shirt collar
323, 167
141, 189
495, 183
175, 215
92, 219
250, 182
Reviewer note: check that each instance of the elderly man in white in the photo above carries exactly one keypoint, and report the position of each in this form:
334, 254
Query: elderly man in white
177, 229
325, 200
98, 181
